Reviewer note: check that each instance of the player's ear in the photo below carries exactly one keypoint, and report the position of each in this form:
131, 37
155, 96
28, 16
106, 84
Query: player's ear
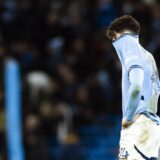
110, 34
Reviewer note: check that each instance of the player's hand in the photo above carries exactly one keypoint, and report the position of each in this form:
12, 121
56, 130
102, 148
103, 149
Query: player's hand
126, 123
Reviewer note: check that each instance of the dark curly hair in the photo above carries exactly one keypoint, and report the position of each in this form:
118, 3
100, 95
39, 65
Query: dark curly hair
121, 24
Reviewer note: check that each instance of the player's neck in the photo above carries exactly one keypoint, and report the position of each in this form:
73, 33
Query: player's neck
120, 34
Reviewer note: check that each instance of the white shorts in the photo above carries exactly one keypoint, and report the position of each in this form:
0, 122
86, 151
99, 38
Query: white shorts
140, 141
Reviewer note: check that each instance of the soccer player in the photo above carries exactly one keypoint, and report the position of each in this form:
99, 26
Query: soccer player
140, 134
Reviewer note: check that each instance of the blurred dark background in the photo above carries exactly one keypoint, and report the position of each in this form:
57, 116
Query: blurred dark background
71, 76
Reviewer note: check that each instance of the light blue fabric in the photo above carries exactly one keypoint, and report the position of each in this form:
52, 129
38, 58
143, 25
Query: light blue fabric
134, 91
132, 56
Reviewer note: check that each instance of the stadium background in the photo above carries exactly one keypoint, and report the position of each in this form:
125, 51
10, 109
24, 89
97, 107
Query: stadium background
70, 74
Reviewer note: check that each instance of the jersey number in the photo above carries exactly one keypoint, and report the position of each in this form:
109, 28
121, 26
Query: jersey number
123, 154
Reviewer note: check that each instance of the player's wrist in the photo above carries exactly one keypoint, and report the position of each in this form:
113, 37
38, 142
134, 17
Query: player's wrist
126, 123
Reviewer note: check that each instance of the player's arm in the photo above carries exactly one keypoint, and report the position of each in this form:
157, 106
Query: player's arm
136, 76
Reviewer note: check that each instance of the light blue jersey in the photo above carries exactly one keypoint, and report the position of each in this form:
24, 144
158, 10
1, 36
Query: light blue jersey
132, 55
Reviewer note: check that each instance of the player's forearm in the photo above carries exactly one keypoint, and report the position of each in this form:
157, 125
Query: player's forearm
132, 101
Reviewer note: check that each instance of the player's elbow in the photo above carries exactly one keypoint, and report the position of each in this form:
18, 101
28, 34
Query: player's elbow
136, 91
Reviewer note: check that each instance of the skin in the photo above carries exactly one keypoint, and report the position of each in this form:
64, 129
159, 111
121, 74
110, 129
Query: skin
119, 34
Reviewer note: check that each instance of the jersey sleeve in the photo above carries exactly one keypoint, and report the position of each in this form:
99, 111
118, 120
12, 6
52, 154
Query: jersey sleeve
133, 63
136, 77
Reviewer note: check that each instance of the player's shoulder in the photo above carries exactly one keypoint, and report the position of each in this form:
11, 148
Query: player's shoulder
147, 53
149, 56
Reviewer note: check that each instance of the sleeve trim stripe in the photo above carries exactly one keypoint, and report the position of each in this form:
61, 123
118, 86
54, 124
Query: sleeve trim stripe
134, 66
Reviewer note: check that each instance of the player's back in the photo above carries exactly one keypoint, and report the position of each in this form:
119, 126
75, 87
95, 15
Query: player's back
150, 89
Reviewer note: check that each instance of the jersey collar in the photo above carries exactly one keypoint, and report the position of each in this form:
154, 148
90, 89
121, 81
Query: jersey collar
125, 34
